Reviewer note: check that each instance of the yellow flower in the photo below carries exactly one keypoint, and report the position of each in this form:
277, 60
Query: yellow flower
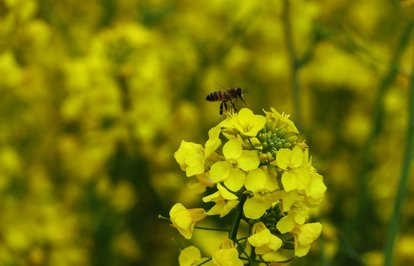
232, 170
190, 256
256, 206
261, 180
184, 219
315, 189
278, 257
288, 199
224, 199
297, 216
263, 240
304, 236
283, 120
262, 183
294, 162
214, 141
190, 157
247, 123
227, 255
286, 158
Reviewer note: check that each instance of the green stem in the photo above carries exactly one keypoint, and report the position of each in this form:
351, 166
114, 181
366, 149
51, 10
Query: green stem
293, 63
403, 185
236, 222
211, 229
196, 227
376, 128
163, 218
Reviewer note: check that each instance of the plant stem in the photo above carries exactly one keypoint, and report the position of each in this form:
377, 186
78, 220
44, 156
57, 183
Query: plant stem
236, 222
376, 128
293, 63
211, 229
403, 185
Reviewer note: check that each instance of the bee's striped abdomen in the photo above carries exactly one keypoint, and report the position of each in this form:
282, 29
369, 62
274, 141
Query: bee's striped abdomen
217, 96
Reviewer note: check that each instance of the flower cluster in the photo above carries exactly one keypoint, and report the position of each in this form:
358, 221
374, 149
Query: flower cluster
263, 176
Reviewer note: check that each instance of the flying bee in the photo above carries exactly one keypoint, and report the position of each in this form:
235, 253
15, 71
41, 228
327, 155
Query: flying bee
226, 96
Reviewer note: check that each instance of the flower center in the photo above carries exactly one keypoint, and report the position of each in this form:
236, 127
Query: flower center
233, 163
247, 128
274, 139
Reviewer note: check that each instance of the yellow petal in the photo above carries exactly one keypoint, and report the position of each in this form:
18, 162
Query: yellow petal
316, 187
225, 193
289, 181
286, 224
283, 158
309, 232
212, 197
248, 161
226, 257
189, 256
232, 150
301, 251
303, 177
255, 180
245, 116
190, 157
296, 159
184, 219
275, 243
213, 141
288, 198
219, 171
254, 208
235, 180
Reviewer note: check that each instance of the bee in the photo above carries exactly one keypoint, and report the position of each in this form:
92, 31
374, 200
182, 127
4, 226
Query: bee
226, 96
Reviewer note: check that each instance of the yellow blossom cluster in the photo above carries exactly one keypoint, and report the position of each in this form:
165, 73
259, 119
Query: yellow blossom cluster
259, 171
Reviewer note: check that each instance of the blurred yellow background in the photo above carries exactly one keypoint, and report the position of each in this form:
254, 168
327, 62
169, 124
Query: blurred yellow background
95, 97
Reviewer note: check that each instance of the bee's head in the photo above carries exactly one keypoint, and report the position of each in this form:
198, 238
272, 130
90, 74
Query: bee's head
240, 91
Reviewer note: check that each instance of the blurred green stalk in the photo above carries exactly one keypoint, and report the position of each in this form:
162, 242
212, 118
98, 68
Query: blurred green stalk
405, 173
293, 63
363, 179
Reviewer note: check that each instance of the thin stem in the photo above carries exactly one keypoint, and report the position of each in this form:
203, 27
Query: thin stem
211, 229
403, 185
293, 63
376, 128
236, 222
163, 218
204, 262
196, 227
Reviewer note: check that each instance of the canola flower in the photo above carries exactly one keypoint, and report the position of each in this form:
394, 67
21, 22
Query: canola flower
262, 175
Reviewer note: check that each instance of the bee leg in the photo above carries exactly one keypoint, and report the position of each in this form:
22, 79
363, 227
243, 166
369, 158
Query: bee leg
241, 98
234, 107
222, 106
245, 104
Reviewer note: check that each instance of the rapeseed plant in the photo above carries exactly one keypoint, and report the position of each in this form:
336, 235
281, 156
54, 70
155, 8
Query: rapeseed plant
262, 176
